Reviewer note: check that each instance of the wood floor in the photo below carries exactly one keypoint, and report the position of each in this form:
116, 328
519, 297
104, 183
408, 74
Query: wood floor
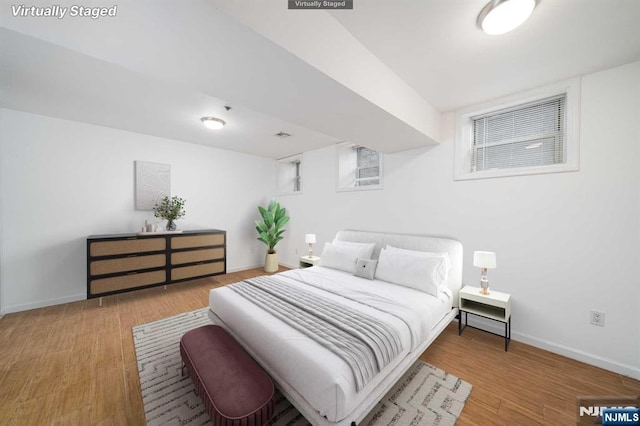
74, 364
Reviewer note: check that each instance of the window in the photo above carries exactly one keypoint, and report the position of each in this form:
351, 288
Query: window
367, 166
296, 178
536, 135
359, 168
290, 175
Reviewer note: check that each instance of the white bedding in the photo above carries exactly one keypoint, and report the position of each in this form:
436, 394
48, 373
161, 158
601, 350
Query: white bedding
321, 377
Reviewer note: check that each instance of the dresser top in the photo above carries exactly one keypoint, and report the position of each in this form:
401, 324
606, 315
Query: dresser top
156, 235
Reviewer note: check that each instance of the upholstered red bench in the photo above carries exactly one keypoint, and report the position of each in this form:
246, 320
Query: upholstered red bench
234, 389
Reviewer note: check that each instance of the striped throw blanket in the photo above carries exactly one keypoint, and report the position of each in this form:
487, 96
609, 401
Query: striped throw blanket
363, 341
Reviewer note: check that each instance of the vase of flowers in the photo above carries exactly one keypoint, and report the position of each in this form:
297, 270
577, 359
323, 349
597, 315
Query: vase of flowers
170, 209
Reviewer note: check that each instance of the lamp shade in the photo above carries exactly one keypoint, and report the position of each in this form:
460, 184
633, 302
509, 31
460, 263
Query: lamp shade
484, 259
310, 238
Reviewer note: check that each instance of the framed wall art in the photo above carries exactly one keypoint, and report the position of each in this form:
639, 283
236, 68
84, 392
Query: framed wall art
153, 182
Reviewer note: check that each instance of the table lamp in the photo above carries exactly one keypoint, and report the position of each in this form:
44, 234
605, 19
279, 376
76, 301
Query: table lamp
485, 260
310, 239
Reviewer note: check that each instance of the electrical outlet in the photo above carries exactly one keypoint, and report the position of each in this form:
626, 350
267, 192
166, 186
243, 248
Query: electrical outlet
597, 318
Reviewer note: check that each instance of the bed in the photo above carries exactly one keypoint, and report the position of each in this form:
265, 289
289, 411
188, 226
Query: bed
319, 382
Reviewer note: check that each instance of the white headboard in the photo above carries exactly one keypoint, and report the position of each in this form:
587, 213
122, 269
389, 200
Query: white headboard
415, 242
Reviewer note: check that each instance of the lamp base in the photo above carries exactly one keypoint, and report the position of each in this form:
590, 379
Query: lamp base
484, 282
310, 255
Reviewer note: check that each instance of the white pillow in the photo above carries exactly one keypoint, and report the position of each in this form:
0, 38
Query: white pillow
445, 266
342, 258
365, 268
367, 248
408, 270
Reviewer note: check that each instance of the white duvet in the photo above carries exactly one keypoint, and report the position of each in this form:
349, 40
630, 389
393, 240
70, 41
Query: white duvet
320, 376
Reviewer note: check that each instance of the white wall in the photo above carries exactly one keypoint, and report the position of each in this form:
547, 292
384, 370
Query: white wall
61, 181
566, 243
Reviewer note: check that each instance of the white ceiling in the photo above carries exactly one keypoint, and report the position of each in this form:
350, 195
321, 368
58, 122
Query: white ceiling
435, 46
378, 75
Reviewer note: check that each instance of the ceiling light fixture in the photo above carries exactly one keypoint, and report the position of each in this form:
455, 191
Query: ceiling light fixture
213, 123
502, 16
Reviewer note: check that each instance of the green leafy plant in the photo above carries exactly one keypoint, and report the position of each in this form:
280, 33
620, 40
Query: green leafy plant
270, 231
170, 208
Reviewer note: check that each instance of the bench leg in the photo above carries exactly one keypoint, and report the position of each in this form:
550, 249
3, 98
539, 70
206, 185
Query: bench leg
182, 370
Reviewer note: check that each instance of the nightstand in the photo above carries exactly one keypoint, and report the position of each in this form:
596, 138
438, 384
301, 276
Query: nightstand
495, 306
306, 261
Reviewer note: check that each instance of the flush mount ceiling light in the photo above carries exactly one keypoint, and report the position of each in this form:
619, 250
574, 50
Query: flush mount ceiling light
213, 123
502, 16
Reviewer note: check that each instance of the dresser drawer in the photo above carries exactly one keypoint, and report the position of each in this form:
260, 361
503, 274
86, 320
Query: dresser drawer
105, 285
107, 248
190, 256
197, 270
197, 241
125, 264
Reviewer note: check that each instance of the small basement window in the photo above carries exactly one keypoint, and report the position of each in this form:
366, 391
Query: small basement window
524, 137
290, 175
359, 168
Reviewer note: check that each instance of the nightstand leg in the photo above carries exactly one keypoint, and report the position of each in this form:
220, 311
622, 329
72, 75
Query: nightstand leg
460, 326
507, 334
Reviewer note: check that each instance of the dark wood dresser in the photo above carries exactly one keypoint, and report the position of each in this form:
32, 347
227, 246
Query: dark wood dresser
124, 262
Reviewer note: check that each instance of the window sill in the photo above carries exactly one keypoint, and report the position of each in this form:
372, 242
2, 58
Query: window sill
490, 174
360, 188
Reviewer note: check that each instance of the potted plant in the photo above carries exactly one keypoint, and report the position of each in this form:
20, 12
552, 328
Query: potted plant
270, 230
170, 209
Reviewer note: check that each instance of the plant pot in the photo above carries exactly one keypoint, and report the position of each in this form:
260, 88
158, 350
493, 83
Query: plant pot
271, 262
171, 225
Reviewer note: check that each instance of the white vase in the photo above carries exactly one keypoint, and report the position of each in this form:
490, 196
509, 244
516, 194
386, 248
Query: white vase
271, 262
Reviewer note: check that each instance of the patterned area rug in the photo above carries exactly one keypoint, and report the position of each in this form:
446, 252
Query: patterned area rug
425, 395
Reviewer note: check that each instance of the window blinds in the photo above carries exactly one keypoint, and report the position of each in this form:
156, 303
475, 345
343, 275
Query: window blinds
527, 135
367, 167
297, 177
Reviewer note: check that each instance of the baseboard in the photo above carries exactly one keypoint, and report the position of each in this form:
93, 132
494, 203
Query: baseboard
44, 303
244, 268
259, 265
556, 348
598, 361
83, 296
